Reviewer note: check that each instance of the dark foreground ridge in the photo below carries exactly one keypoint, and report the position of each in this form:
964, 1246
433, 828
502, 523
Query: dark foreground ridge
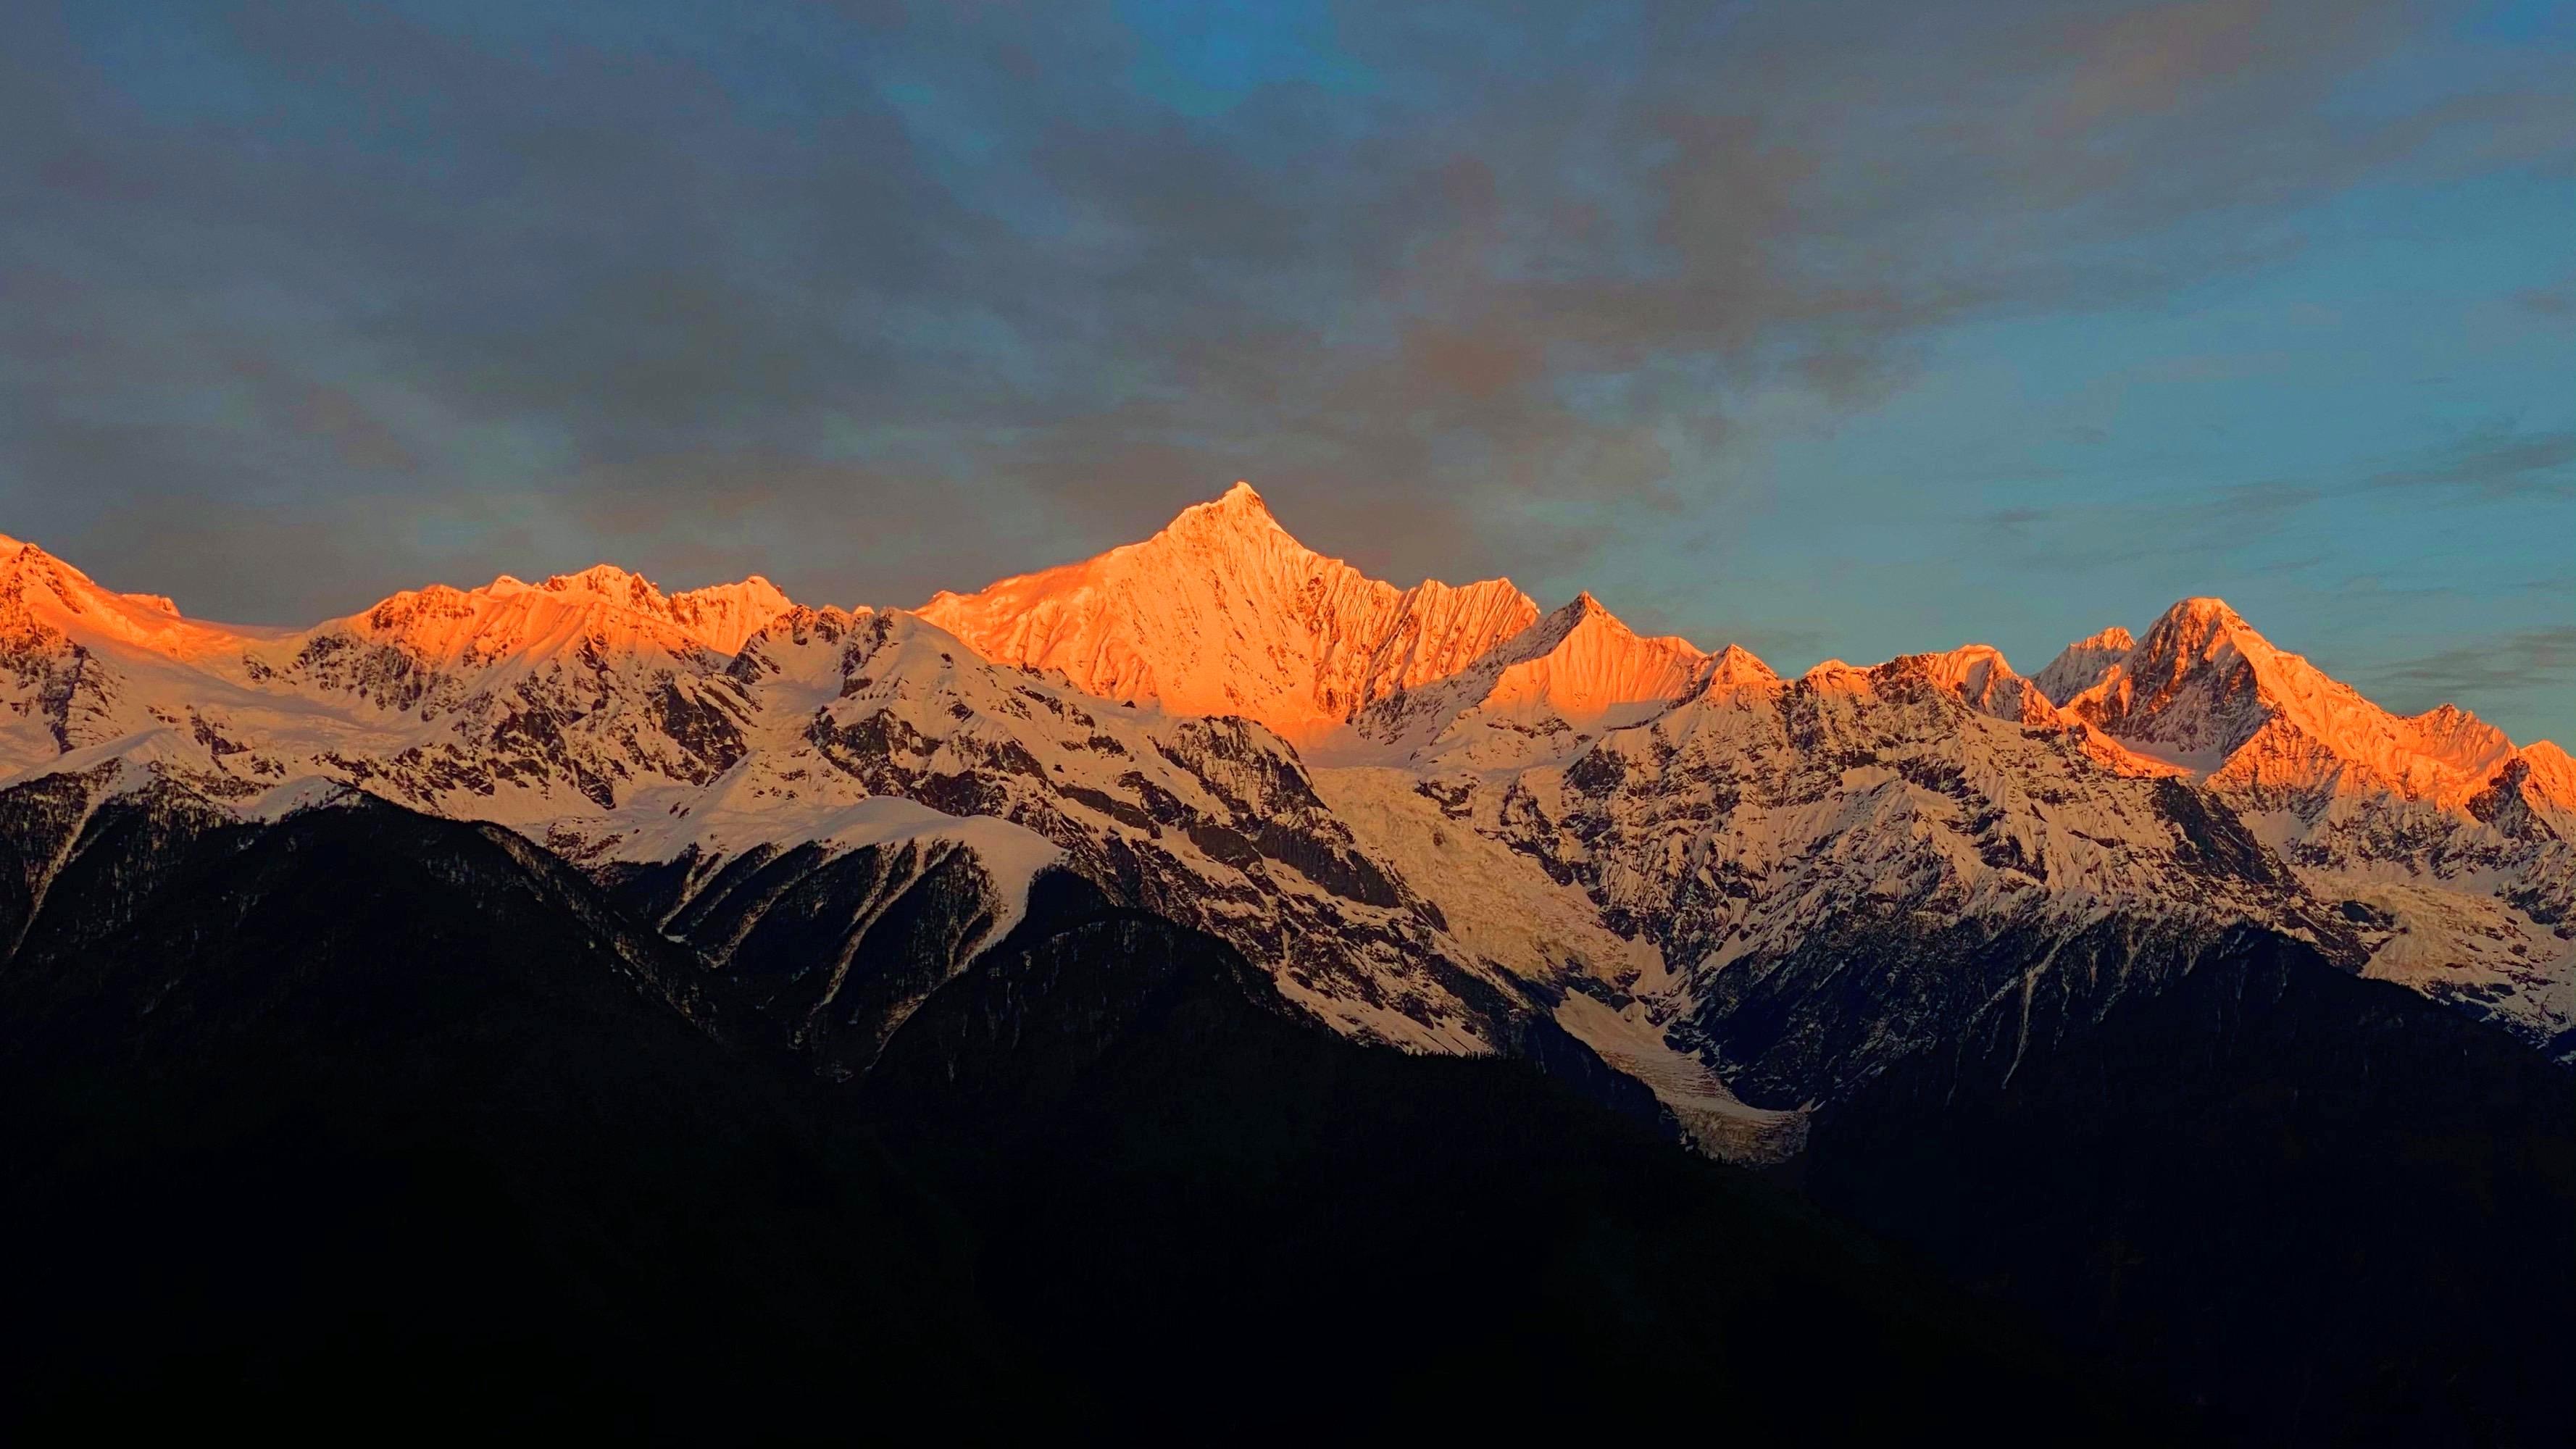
370, 1119
2326, 1209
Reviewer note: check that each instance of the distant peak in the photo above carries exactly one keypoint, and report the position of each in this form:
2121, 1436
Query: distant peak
725, 616
2203, 613
1978, 676
2082, 664
1575, 611
31, 560
2550, 773
751, 587
1237, 513
2196, 626
1736, 664
1968, 666
605, 579
1587, 615
15, 548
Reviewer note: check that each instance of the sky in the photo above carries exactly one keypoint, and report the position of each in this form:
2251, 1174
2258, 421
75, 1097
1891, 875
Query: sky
1832, 329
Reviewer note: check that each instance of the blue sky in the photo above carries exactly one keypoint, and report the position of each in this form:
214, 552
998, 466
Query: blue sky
1836, 329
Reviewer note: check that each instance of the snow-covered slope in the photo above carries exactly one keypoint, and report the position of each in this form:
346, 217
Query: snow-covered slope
506, 702
81, 665
2548, 779
1212, 822
1539, 695
1860, 864
1606, 989
1223, 613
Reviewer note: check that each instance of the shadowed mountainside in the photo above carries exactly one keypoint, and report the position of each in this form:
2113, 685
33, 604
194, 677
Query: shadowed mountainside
365, 1107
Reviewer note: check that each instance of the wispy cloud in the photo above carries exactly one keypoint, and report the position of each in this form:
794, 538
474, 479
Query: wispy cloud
2558, 303
653, 276
2497, 462
2525, 662
2197, 523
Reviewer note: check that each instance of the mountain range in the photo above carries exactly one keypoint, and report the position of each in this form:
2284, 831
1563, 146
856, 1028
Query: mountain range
1428, 811
1772, 919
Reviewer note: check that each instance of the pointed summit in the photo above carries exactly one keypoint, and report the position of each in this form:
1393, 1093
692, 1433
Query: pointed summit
608, 581
1557, 626
1979, 677
2201, 628
1236, 515
2197, 685
1736, 667
2081, 665
1223, 612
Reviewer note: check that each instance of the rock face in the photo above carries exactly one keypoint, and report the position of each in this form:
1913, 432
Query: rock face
1436, 817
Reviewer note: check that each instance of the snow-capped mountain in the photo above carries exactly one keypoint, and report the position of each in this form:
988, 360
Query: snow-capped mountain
510, 702
75, 657
1224, 613
588, 713
1436, 817
2206, 691
2449, 847
1859, 865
